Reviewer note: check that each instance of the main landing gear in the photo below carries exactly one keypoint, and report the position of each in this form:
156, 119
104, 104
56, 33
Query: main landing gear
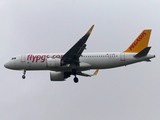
24, 73
74, 72
75, 79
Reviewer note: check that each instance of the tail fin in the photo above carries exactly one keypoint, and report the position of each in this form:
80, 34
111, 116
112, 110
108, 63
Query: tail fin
140, 43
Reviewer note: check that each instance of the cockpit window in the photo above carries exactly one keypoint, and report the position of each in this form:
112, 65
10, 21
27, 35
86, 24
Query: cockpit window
14, 58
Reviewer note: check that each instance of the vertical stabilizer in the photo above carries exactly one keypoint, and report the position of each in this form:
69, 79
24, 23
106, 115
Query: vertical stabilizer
140, 43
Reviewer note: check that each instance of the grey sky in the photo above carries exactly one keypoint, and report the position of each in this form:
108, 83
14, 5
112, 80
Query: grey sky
40, 26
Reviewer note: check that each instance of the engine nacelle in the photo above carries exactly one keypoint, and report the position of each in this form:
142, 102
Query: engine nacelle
53, 62
57, 76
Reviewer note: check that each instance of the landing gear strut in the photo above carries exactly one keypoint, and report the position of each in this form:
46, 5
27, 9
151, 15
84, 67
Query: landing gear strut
24, 73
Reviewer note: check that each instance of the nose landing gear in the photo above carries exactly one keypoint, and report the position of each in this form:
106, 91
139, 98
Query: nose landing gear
24, 73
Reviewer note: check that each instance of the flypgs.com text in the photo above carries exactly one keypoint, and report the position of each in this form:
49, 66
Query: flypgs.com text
41, 58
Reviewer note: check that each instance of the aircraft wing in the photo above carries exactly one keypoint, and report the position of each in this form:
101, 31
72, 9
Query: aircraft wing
72, 56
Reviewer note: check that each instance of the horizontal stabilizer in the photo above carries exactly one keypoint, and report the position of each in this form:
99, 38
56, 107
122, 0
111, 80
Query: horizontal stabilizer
148, 60
143, 53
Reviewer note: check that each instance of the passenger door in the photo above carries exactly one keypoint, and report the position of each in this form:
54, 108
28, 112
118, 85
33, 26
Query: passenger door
122, 56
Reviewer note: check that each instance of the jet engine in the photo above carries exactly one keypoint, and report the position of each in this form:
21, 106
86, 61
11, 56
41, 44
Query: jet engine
53, 62
59, 76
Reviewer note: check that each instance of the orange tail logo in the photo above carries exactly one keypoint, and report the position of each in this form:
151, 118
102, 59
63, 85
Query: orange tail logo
140, 43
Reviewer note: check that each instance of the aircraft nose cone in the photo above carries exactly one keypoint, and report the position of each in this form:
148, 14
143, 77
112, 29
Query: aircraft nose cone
6, 65
9, 65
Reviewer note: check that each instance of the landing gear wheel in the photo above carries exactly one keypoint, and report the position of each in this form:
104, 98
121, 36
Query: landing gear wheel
75, 80
23, 76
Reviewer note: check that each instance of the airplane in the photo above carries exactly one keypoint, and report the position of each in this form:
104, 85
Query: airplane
74, 61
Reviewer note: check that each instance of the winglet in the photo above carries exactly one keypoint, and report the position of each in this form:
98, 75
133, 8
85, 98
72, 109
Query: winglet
88, 75
90, 30
96, 72
140, 43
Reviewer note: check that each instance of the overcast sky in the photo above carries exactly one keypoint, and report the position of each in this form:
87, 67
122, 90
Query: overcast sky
50, 26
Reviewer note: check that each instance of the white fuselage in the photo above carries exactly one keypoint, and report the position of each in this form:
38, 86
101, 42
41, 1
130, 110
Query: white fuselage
87, 61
